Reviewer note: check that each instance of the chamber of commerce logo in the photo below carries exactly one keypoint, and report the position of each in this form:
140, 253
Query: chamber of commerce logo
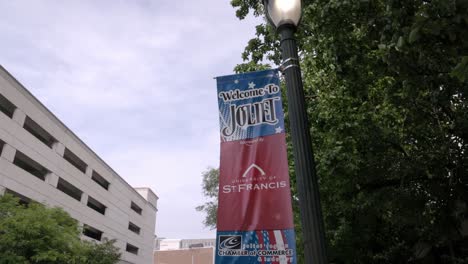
230, 242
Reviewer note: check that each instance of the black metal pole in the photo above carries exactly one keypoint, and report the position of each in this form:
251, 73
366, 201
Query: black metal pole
306, 177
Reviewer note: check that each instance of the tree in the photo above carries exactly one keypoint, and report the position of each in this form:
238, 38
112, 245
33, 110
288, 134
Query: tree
387, 87
36, 234
210, 187
103, 253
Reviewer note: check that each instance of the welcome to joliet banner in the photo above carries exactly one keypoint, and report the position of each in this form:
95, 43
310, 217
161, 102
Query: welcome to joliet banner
255, 223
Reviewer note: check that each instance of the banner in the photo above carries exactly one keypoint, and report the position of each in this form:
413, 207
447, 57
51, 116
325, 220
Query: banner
255, 222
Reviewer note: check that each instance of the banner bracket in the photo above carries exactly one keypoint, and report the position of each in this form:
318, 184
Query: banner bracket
288, 63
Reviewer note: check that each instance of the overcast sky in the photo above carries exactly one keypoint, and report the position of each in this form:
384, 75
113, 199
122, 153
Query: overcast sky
134, 80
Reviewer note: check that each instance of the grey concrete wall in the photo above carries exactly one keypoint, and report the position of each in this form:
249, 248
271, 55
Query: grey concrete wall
117, 198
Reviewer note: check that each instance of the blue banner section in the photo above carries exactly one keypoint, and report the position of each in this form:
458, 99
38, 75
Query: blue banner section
250, 105
253, 247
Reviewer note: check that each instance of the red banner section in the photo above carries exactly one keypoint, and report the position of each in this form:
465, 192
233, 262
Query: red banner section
254, 187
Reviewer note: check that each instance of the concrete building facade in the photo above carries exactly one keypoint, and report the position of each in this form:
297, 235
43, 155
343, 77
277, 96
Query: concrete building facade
185, 256
42, 160
184, 251
174, 244
167, 244
198, 243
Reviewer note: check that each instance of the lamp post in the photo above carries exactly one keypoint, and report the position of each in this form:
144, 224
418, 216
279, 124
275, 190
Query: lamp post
285, 15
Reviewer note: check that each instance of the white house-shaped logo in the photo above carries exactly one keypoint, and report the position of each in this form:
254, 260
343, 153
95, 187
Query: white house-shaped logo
253, 166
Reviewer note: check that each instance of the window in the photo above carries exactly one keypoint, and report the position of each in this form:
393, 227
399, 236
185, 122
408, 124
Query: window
97, 206
132, 249
134, 228
136, 208
23, 200
69, 189
6, 107
92, 232
37, 131
100, 180
29, 165
1, 146
74, 160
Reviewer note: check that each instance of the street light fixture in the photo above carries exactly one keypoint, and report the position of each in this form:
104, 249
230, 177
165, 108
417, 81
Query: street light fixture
283, 12
285, 15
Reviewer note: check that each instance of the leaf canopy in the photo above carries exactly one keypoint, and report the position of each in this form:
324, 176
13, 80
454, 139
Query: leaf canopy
35, 234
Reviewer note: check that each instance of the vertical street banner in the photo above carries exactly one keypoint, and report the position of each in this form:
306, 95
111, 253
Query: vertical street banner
255, 221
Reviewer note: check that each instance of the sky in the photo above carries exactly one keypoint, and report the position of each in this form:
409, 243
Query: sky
134, 80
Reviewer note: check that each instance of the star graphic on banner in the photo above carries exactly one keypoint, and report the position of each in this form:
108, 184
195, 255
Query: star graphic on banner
236, 81
278, 130
251, 85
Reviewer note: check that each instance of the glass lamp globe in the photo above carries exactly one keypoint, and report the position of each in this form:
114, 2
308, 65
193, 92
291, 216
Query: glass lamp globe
283, 12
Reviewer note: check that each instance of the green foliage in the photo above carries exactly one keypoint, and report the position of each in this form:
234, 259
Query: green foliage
103, 253
36, 234
461, 70
249, 67
210, 187
387, 87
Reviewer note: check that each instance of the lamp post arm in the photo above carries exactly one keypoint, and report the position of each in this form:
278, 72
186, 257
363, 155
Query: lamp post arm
306, 177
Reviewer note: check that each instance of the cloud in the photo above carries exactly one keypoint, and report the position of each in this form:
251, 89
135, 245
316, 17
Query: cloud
134, 80
174, 173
